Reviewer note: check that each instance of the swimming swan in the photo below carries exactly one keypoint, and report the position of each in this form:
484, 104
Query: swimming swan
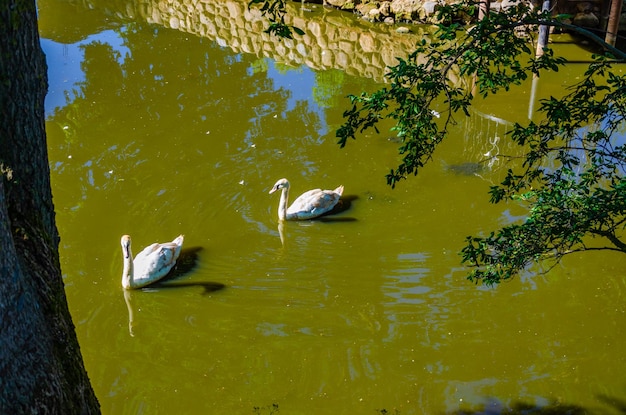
308, 205
151, 264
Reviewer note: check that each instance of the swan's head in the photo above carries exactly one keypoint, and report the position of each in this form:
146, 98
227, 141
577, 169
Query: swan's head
126, 245
281, 184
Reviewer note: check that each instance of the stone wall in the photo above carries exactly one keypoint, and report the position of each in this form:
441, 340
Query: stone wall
585, 13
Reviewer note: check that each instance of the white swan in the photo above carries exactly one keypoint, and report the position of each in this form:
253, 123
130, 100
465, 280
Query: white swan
308, 205
151, 264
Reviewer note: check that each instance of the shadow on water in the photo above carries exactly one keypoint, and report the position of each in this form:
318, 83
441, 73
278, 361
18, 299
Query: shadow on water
186, 263
208, 286
344, 204
496, 407
619, 404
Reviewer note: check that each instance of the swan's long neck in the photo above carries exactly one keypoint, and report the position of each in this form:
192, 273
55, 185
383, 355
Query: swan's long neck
282, 205
127, 273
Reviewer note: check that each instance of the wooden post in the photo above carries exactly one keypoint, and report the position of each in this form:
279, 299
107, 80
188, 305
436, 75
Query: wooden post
542, 42
613, 25
483, 8
483, 11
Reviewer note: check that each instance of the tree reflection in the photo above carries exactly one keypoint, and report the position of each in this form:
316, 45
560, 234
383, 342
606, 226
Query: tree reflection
494, 407
169, 86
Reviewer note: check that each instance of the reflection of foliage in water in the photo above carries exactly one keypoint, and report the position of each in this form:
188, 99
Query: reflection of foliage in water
327, 85
163, 84
570, 180
259, 66
268, 409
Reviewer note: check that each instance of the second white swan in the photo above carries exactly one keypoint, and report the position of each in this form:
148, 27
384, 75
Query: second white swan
308, 205
151, 264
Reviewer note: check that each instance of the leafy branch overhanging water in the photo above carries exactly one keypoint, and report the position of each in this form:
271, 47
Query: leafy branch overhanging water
571, 178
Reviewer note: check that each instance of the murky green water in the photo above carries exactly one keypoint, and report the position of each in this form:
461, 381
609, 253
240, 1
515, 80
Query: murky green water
158, 127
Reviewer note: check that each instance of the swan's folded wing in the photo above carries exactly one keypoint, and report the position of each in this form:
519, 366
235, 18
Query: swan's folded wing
313, 203
147, 251
156, 263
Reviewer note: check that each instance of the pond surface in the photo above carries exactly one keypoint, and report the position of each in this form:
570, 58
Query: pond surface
157, 126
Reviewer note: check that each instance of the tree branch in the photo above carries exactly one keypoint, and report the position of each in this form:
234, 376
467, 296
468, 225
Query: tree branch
621, 246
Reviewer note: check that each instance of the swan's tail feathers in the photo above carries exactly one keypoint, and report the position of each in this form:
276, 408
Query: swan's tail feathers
339, 190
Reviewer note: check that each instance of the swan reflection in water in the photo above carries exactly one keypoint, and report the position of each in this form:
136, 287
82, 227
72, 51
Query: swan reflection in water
187, 261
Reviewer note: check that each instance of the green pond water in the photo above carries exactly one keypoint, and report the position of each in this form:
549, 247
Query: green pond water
156, 127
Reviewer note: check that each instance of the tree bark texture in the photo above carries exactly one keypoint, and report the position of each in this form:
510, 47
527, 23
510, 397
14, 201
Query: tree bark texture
41, 367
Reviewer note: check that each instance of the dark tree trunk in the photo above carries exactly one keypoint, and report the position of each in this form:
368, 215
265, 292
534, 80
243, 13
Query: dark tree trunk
41, 367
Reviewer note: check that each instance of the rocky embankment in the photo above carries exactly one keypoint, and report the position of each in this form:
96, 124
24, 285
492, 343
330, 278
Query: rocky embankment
584, 13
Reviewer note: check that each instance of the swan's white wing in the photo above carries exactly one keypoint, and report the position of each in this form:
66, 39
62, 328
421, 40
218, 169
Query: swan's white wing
313, 203
156, 260
147, 251
155, 265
